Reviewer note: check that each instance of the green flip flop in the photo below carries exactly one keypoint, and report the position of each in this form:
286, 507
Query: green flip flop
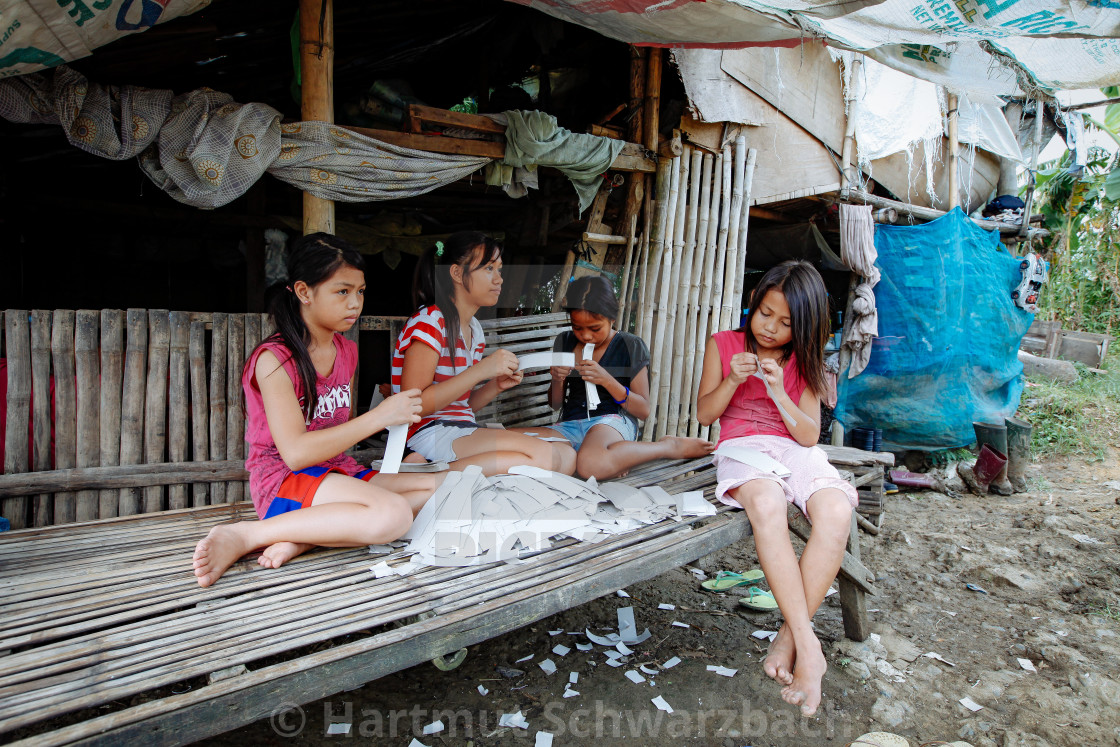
759, 600
726, 580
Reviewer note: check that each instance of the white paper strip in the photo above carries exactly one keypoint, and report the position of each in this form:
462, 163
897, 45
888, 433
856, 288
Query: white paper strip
482, 690
560, 650
725, 671
394, 449
416, 743
546, 360
634, 677
433, 728
547, 666
671, 663
573, 678
679, 624
339, 728
661, 704
774, 398
570, 693
513, 719
544, 739
1027, 664
753, 458
971, 704
592, 392
666, 606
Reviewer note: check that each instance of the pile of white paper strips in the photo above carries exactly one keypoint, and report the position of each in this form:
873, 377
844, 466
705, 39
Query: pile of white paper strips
472, 519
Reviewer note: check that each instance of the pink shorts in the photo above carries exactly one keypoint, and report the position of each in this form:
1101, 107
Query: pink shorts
809, 465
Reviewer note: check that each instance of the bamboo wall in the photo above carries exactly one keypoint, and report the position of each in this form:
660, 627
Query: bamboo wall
132, 387
686, 281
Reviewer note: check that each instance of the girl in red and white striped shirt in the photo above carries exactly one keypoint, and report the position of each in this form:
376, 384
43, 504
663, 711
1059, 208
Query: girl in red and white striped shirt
454, 279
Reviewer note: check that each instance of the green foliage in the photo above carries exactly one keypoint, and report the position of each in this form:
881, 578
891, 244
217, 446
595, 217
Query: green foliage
1082, 418
1082, 213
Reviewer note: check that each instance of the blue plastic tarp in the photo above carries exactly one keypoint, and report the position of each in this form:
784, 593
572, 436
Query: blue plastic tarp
949, 335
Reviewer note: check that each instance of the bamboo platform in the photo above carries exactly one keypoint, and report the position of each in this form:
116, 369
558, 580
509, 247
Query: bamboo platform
104, 626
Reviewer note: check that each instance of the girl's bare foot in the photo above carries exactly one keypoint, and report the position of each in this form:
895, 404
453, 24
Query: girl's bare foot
218, 551
805, 690
414, 458
780, 657
688, 448
280, 553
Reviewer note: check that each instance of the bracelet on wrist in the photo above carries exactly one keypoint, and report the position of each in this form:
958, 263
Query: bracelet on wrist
624, 399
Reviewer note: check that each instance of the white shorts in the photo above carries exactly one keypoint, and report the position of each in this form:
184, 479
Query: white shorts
433, 441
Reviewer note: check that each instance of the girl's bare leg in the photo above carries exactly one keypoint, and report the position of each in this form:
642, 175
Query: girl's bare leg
605, 453
799, 588
346, 512
496, 450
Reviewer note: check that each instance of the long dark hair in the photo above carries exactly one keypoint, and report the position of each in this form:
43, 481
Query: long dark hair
592, 293
432, 283
312, 259
807, 299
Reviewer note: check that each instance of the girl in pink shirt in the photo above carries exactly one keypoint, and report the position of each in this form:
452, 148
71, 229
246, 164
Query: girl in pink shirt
779, 415
299, 386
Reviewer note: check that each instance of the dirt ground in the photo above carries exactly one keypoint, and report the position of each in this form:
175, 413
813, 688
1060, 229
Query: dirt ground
1047, 559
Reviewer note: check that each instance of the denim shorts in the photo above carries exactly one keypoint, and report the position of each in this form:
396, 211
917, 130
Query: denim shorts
576, 430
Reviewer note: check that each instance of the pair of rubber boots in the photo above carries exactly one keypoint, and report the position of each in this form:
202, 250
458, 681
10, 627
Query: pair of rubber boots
1002, 462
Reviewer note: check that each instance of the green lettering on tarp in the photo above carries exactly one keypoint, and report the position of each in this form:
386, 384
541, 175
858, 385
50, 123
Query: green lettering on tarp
82, 12
32, 56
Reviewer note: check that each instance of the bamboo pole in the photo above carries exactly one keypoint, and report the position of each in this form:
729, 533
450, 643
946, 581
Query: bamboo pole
640, 272
672, 278
658, 324
728, 318
849, 173
954, 153
65, 408
17, 409
87, 368
627, 291
654, 254
744, 219
687, 264
690, 370
112, 373
704, 310
41, 410
316, 63
721, 244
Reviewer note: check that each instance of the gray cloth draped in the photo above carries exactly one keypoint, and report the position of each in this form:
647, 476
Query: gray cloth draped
205, 149
857, 250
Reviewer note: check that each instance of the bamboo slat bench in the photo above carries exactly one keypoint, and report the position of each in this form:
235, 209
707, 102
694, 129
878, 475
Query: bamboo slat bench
97, 614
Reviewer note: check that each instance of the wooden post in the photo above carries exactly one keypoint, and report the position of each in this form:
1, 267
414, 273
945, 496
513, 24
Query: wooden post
651, 111
112, 368
235, 416
89, 405
177, 402
316, 64
635, 189
132, 403
744, 219
699, 339
954, 154
41, 409
1039, 119
155, 401
850, 173
200, 410
65, 407
853, 600
218, 345
729, 316
656, 250
18, 417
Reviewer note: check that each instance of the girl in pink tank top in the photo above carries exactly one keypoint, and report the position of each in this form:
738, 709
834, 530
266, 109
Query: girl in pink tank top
299, 386
763, 383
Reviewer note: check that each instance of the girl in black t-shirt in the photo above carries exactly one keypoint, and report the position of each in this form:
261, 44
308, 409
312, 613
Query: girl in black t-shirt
605, 436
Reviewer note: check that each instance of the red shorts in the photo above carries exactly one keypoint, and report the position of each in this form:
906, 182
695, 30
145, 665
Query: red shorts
298, 489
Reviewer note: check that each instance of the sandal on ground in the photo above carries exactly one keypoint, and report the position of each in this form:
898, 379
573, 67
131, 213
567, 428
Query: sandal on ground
727, 580
759, 600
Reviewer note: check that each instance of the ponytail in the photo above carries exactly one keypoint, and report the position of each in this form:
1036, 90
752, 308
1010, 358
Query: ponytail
312, 259
432, 286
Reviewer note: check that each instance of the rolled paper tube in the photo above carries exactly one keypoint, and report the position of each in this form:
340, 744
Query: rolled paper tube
592, 392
